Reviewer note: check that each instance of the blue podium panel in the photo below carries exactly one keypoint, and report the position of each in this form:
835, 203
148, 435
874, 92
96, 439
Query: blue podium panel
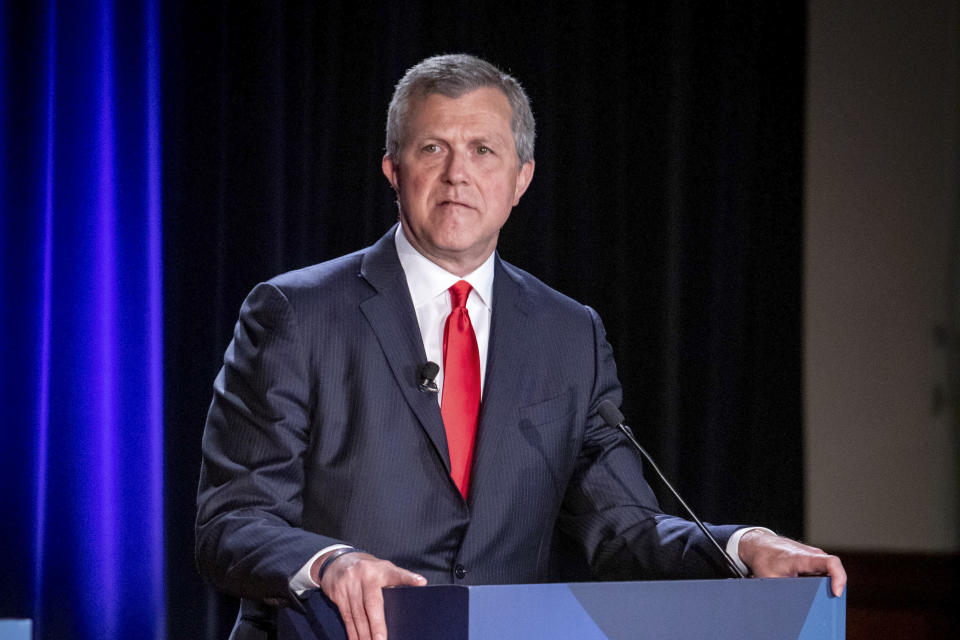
791, 609
767, 609
16, 629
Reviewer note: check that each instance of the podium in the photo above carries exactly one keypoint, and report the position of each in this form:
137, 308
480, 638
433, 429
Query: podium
768, 609
16, 629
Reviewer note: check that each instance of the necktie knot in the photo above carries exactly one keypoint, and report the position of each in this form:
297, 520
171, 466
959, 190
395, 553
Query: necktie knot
459, 294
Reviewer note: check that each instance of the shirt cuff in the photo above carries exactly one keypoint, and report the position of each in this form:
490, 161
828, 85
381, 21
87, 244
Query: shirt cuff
302, 583
733, 546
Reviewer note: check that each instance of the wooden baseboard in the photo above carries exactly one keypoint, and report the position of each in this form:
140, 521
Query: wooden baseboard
902, 595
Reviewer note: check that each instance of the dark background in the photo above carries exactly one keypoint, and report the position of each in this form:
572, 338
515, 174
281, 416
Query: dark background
667, 195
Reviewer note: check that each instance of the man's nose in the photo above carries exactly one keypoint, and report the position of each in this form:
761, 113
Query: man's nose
457, 170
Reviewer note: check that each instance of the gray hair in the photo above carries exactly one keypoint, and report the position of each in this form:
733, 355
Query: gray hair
453, 76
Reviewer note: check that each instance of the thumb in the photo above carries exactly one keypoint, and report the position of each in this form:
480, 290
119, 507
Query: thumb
404, 577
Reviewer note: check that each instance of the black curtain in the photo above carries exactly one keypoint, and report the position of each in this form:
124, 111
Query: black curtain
667, 195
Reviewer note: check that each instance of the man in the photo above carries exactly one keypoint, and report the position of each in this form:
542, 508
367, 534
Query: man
323, 438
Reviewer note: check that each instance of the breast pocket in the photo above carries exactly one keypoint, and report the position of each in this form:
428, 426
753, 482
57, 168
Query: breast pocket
548, 440
547, 411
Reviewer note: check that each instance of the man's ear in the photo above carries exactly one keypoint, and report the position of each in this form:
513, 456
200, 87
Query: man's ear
391, 171
523, 181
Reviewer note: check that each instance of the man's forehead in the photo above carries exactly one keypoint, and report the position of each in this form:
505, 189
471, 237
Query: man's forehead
479, 104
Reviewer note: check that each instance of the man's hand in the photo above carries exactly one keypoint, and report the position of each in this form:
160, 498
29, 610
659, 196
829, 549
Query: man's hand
773, 556
353, 581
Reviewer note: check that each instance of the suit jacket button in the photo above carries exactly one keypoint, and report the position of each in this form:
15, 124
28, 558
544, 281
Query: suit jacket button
460, 571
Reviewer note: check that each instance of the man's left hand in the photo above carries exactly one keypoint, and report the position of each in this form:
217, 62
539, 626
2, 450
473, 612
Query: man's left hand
773, 556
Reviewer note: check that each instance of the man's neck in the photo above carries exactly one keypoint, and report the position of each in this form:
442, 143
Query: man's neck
459, 265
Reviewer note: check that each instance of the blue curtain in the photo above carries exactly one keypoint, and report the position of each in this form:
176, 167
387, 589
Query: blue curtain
81, 447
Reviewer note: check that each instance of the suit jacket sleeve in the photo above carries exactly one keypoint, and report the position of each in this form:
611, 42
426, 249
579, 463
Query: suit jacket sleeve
611, 511
248, 536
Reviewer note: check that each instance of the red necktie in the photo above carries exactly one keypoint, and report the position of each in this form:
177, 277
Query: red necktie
460, 404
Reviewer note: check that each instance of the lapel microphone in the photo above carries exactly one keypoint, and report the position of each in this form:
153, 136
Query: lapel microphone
428, 374
612, 416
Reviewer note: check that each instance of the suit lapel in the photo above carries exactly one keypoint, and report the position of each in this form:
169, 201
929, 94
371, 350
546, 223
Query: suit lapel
508, 348
393, 319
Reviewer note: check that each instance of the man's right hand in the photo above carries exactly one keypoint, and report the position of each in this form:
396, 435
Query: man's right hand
353, 581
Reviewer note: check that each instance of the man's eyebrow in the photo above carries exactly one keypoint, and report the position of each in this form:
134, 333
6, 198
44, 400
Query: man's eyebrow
487, 136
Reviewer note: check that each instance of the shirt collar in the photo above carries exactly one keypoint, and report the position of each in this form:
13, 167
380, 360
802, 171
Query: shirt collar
427, 280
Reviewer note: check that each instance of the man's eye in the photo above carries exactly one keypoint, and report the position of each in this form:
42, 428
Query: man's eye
431, 148
483, 150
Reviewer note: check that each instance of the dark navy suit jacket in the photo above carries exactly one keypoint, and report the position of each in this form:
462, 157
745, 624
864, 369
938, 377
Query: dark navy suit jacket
318, 434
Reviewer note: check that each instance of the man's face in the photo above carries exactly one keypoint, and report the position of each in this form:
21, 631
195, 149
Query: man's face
457, 176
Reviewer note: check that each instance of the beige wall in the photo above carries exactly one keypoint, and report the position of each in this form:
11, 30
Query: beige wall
882, 200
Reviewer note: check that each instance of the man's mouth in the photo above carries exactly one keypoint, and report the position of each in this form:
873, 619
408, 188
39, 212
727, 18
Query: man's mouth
455, 203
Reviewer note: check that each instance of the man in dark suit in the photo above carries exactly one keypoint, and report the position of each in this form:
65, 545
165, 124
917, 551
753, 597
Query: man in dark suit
322, 438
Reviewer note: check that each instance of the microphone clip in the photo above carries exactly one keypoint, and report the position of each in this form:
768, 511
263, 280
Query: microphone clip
428, 386
428, 374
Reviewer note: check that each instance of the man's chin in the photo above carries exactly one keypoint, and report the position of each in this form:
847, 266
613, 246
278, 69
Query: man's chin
464, 254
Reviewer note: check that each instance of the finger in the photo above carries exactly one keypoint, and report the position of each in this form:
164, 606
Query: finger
348, 596
404, 577
359, 613
824, 564
838, 576
373, 603
347, 619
